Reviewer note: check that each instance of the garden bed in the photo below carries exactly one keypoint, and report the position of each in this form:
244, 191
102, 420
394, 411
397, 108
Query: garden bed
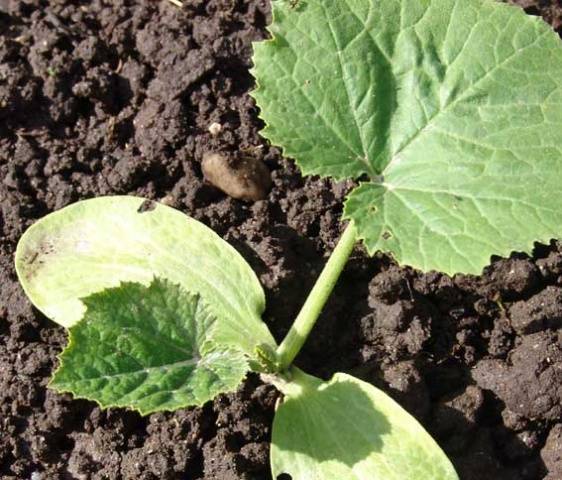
117, 97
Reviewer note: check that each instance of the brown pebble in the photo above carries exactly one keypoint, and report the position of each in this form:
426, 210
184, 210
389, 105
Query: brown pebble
242, 177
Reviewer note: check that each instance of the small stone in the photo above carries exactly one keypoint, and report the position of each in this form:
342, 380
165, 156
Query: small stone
241, 177
215, 128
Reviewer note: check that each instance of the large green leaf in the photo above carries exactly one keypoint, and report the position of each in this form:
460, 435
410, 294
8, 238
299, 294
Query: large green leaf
348, 429
453, 109
148, 348
96, 244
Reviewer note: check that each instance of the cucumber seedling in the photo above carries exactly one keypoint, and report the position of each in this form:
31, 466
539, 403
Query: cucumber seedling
450, 115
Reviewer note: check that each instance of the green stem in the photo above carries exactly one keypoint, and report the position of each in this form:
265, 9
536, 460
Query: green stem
297, 335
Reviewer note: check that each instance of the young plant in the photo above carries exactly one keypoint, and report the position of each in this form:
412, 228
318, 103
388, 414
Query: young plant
449, 112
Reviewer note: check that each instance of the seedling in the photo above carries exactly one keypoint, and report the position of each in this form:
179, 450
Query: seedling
450, 114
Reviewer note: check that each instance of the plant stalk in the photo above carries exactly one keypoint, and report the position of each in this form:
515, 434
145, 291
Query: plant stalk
310, 311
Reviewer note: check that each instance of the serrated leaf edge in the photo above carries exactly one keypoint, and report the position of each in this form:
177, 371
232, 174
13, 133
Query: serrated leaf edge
524, 247
256, 45
208, 347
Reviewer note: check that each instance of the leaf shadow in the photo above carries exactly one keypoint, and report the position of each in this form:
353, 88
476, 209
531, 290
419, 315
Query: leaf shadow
338, 421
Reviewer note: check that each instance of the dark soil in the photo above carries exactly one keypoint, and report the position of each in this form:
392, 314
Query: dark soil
116, 97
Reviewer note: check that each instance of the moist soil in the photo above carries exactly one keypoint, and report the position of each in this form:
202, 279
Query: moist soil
116, 97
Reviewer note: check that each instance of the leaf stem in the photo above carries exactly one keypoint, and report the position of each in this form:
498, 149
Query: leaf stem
310, 311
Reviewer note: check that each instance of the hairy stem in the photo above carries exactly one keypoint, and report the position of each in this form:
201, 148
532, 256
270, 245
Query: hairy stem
297, 335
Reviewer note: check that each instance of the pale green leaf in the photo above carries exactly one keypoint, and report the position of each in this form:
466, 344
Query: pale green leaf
147, 348
453, 109
348, 429
96, 244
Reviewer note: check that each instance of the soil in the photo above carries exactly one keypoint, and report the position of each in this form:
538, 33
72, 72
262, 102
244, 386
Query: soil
124, 97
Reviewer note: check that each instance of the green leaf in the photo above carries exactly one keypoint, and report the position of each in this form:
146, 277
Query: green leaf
453, 109
96, 244
348, 429
148, 348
